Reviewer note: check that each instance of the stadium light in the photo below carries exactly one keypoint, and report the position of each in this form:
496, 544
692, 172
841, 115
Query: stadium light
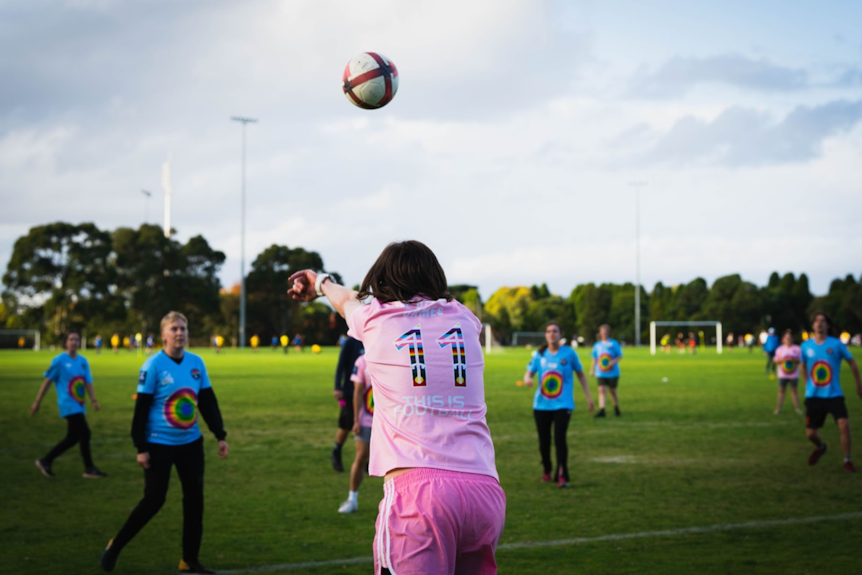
147, 205
244, 121
637, 185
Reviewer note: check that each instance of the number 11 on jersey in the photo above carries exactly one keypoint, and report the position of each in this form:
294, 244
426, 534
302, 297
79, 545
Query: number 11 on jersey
413, 341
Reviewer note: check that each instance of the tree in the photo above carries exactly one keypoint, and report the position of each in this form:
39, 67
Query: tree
469, 296
58, 268
507, 310
592, 306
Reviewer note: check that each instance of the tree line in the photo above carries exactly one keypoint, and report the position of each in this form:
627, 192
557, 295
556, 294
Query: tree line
63, 276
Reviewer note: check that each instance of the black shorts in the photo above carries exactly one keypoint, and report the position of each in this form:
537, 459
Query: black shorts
611, 382
817, 408
784, 382
345, 418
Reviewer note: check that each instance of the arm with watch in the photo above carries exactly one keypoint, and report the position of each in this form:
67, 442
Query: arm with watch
309, 285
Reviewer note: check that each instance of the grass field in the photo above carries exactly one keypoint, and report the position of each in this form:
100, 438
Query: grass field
702, 449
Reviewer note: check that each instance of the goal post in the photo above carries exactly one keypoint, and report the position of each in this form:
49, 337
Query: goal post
654, 324
25, 334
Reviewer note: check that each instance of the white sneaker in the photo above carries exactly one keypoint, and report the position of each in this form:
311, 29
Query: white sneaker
348, 507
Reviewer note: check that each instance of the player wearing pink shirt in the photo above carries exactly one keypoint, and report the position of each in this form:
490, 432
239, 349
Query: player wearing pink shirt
787, 358
363, 416
443, 509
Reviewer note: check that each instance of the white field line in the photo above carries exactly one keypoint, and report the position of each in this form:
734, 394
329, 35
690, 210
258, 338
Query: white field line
574, 541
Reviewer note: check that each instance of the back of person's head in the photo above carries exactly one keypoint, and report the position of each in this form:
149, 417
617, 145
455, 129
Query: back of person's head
406, 272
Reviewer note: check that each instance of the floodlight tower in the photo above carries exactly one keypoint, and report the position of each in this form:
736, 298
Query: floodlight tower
166, 185
637, 185
244, 121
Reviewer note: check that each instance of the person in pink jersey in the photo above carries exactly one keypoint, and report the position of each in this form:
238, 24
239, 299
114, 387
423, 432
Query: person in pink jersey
787, 358
443, 509
363, 417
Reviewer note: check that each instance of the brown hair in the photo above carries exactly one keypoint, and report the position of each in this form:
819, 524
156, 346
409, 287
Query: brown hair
406, 272
544, 347
171, 317
68, 333
826, 317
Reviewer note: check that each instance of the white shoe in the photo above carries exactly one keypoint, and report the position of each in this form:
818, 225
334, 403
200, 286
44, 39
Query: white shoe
348, 507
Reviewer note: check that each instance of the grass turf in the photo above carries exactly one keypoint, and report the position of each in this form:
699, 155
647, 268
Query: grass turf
700, 449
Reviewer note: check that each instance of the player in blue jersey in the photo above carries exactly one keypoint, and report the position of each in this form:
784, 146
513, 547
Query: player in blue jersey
70, 373
172, 387
555, 399
605, 367
769, 347
821, 360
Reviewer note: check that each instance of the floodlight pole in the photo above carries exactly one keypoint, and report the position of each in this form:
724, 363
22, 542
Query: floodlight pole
637, 185
244, 121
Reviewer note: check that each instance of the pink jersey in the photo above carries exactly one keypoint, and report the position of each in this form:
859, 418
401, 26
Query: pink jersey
427, 369
360, 375
787, 359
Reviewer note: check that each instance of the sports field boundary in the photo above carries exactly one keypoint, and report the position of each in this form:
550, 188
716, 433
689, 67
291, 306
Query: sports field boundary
573, 541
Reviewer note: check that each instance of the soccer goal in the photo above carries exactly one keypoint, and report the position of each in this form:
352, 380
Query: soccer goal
654, 324
535, 338
20, 339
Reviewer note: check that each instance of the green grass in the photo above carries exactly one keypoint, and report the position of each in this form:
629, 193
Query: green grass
701, 449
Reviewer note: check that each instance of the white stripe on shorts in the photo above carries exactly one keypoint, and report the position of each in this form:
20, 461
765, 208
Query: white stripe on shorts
387, 562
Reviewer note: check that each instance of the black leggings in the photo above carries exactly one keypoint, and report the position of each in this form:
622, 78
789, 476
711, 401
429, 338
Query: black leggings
560, 421
189, 460
77, 432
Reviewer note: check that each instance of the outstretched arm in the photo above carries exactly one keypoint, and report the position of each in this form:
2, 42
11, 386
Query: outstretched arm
343, 299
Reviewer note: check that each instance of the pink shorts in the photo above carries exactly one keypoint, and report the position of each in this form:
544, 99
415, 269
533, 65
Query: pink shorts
437, 521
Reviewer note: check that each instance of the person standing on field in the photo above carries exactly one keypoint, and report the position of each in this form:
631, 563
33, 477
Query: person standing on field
70, 373
443, 509
821, 359
787, 358
173, 386
605, 367
769, 346
363, 417
554, 401
350, 352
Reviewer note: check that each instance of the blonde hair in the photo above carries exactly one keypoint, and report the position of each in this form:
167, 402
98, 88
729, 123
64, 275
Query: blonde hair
170, 318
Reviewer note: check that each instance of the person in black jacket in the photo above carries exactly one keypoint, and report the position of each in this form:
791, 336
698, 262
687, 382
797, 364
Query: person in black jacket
173, 386
343, 392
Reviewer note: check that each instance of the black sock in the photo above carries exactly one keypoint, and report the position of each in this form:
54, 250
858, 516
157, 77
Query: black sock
337, 447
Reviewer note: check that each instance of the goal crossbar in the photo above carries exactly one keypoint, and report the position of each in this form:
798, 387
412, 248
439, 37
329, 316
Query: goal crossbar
654, 324
34, 332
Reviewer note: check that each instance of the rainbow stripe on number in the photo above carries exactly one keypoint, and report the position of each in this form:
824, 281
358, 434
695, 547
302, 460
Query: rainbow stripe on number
181, 408
552, 384
76, 388
605, 362
821, 373
369, 401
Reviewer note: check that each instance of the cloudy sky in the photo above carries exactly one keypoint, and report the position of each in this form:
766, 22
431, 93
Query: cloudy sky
512, 148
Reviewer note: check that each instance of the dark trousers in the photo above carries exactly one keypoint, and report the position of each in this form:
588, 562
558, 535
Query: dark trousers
559, 419
77, 431
189, 460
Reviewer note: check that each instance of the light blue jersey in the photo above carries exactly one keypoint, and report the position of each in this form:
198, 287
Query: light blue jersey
771, 343
175, 387
822, 365
603, 353
556, 382
69, 376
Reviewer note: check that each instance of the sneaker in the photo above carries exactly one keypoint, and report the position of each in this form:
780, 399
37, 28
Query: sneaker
617, 411
335, 458
109, 559
776, 411
562, 483
799, 411
816, 455
45, 468
192, 567
601, 413
94, 473
848, 465
546, 478
348, 507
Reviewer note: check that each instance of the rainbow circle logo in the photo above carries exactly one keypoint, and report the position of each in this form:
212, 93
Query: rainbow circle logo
788, 365
76, 388
552, 384
821, 373
369, 401
605, 362
181, 409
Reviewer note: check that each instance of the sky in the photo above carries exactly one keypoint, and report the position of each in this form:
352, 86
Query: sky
521, 134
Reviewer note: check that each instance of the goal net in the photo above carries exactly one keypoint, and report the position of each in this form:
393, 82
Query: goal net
531, 338
19, 339
707, 333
